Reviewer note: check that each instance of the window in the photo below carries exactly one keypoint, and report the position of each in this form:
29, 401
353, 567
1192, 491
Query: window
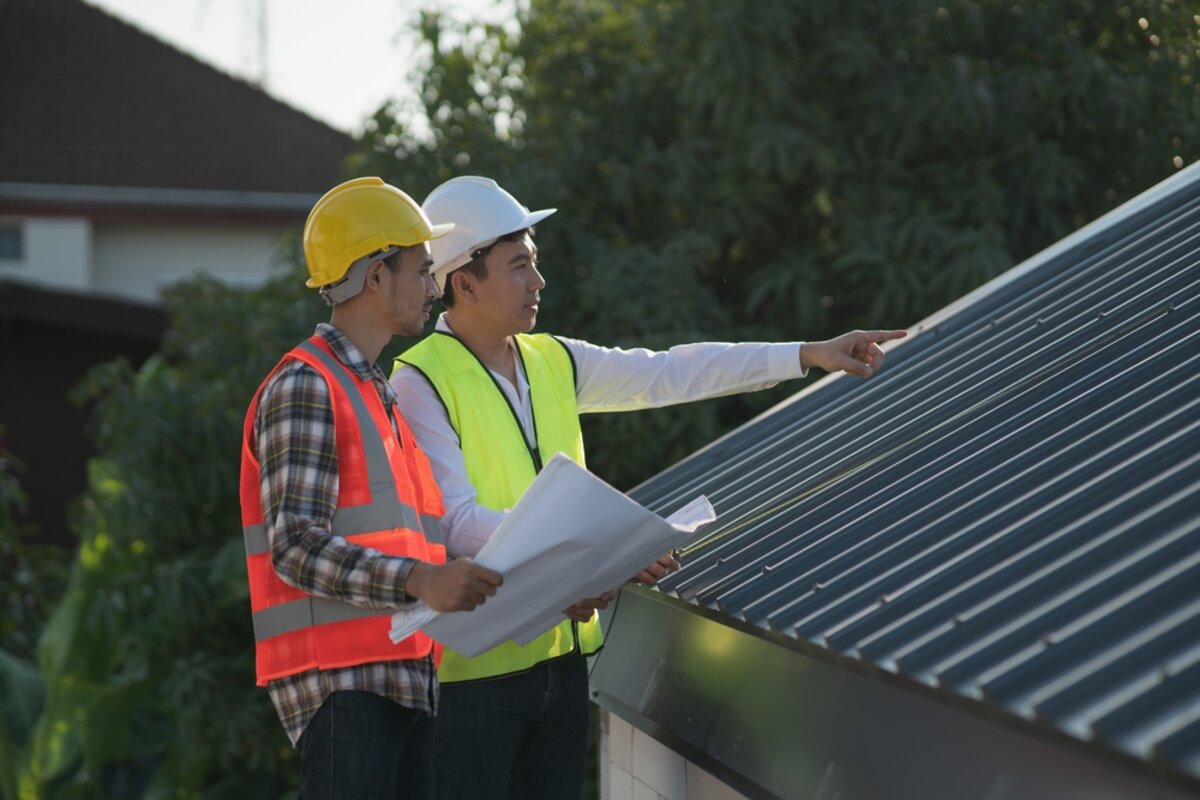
11, 243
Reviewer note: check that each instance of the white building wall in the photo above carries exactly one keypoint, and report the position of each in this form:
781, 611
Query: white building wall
56, 253
634, 766
136, 260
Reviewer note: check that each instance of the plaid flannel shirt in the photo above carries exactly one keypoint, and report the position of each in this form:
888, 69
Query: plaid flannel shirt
294, 438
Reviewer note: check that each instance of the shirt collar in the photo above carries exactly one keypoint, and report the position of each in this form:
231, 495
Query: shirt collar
346, 352
444, 326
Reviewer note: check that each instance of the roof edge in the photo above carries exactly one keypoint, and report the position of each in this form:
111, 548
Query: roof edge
145, 197
1134, 205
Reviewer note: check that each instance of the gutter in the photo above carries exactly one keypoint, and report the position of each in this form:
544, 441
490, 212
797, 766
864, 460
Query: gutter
136, 197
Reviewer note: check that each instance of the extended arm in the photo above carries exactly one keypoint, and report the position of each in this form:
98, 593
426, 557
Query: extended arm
616, 379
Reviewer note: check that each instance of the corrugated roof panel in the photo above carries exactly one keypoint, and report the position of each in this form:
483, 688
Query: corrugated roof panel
1010, 512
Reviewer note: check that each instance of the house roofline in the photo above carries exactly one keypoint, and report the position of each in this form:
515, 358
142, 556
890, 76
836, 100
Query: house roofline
82, 311
138, 197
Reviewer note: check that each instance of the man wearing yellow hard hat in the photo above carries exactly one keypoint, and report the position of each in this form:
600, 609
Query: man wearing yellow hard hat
490, 404
341, 512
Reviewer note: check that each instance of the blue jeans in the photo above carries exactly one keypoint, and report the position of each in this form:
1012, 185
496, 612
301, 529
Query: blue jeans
521, 737
360, 746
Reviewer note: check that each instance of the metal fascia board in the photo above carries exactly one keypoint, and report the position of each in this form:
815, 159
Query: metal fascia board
774, 721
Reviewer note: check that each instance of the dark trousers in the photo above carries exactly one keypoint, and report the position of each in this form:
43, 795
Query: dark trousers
522, 737
360, 746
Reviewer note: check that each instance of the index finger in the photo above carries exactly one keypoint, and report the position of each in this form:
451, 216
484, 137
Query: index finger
884, 336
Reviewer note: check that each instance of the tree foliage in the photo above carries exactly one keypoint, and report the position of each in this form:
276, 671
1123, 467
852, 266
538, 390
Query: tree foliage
147, 661
33, 576
792, 170
723, 171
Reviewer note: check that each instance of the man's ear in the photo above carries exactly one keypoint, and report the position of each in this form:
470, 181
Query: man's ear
375, 274
464, 286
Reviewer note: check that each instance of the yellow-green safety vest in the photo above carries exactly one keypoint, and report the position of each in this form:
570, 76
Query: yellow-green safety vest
501, 464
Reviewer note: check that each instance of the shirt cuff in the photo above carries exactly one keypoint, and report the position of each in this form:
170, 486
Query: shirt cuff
783, 361
391, 574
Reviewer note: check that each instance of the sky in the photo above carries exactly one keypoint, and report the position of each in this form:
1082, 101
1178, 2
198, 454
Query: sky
336, 60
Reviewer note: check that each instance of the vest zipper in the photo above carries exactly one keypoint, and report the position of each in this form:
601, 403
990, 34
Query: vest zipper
534, 452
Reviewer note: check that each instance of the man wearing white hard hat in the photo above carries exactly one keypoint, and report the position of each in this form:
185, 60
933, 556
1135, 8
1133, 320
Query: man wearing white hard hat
490, 403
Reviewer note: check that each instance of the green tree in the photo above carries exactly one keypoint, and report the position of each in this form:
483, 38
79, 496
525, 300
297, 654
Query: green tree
147, 663
34, 576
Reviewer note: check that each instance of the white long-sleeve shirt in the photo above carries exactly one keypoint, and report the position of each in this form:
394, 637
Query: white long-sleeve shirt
607, 379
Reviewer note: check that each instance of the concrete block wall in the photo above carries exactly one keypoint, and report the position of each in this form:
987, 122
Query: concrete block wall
634, 766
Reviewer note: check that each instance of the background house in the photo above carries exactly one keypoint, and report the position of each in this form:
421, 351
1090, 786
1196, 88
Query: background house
977, 575
125, 166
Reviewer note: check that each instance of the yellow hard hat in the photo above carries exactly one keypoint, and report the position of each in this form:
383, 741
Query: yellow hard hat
357, 218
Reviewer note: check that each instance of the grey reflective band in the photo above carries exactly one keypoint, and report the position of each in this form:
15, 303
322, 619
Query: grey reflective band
256, 539
432, 527
306, 612
348, 523
381, 514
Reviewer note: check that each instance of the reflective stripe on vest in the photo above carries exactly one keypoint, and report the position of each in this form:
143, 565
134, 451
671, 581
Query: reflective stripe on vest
287, 617
501, 465
287, 622
348, 522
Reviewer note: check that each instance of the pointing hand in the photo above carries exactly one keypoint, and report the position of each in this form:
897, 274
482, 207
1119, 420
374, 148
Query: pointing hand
857, 352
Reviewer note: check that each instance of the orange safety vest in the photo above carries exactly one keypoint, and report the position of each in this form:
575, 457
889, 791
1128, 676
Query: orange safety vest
387, 501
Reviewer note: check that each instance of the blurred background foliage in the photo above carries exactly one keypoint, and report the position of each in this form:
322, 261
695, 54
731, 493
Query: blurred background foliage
727, 171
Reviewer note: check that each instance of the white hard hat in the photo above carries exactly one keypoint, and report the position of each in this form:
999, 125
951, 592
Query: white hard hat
481, 211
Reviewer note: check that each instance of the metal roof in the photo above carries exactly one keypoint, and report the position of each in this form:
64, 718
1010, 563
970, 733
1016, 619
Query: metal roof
1009, 514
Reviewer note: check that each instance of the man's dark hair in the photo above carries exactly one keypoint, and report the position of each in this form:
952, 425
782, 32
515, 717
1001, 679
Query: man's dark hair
477, 266
392, 262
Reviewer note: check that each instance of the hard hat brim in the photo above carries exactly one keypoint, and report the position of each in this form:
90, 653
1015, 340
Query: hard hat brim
534, 217
438, 231
439, 271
